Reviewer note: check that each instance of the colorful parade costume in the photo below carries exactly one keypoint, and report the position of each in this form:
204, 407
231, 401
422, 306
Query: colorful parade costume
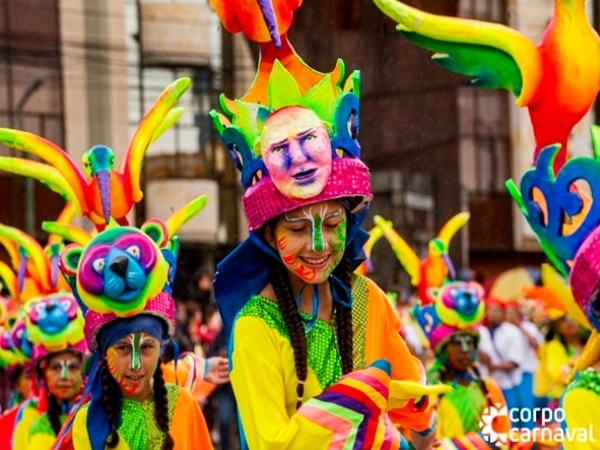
376, 336
436, 268
15, 357
558, 85
99, 191
567, 229
49, 323
120, 303
273, 398
460, 412
55, 327
122, 278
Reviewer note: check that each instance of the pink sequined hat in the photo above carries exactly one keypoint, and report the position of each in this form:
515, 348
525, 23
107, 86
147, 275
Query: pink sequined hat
585, 275
348, 178
162, 306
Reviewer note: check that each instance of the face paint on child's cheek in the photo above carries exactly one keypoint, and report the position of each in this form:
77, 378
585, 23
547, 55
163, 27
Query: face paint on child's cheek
111, 360
338, 245
111, 363
291, 259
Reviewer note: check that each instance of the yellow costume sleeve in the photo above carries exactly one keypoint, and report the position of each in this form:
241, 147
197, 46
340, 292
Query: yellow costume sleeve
40, 441
23, 428
264, 380
81, 439
557, 362
581, 408
383, 340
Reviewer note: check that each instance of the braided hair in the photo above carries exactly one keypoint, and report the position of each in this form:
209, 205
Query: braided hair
161, 408
280, 281
54, 412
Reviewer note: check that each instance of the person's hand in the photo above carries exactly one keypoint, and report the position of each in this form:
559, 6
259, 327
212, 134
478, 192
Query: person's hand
428, 442
218, 370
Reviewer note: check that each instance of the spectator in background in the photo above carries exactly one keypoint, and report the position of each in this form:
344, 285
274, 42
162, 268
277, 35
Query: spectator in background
201, 289
498, 341
564, 343
530, 340
226, 407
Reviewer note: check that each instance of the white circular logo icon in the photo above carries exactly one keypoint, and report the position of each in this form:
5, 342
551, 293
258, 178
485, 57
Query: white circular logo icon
487, 424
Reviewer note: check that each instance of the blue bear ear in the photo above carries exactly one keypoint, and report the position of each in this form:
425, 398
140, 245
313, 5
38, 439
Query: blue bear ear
156, 230
171, 259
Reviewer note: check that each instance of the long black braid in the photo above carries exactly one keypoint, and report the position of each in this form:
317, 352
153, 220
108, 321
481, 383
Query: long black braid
54, 413
343, 317
161, 408
283, 290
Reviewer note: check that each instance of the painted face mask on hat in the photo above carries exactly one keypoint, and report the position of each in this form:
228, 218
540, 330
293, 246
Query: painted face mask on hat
296, 149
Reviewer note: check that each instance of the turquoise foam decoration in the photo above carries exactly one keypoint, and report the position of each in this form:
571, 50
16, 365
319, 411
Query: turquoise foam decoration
563, 200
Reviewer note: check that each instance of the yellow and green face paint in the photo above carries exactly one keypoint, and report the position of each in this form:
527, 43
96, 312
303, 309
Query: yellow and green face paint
311, 240
132, 362
63, 376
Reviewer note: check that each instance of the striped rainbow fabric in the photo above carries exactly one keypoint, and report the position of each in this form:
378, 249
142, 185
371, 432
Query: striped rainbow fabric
354, 411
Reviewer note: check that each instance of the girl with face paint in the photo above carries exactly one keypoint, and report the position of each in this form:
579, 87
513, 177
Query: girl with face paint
298, 321
61, 376
451, 328
313, 322
132, 406
55, 329
128, 404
